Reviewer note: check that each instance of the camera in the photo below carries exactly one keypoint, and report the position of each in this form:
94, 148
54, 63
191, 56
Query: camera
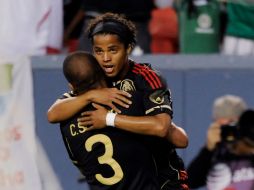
229, 133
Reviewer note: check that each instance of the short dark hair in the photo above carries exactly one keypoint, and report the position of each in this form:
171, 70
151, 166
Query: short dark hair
123, 28
82, 70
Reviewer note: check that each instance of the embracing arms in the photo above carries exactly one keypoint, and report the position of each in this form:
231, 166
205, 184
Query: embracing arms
63, 109
157, 125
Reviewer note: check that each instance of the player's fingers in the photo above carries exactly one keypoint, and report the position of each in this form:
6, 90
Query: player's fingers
120, 93
85, 123
121, 103
84, 118
112, 106
97, 106
126, 94
86, 113
90, 128
124, 99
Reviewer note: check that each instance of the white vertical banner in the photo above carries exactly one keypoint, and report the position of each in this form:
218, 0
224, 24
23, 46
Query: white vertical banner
32, 27
18, 168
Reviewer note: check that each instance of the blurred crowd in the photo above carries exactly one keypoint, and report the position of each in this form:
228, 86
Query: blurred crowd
164, 26
171, 26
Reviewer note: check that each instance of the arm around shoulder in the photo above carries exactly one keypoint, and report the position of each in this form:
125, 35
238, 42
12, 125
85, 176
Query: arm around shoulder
63, 109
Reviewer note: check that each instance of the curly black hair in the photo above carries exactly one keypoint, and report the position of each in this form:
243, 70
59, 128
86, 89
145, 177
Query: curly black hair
120, 20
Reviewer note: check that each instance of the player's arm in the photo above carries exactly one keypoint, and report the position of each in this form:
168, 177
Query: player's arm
178, 136
63, 109
149, 125
157, 125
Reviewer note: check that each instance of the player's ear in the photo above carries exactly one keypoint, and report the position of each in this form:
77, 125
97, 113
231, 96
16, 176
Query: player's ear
129, 49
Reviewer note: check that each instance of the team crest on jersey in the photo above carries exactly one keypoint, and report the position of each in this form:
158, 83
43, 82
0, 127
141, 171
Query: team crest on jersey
127, 85
157, 97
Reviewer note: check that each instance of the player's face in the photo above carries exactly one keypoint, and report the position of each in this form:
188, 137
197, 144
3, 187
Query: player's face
111, 54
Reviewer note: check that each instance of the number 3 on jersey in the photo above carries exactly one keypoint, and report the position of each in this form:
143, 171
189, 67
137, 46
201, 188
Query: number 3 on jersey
106, 158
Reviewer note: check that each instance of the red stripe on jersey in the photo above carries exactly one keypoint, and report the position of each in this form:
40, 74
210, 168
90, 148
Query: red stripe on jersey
151, 72
145, 76
156, 78
150, 75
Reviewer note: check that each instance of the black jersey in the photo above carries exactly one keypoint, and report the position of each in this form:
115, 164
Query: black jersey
109, 158
151, 96
149, 91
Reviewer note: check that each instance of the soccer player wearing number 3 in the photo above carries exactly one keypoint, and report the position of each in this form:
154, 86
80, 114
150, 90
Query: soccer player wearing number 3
109, 158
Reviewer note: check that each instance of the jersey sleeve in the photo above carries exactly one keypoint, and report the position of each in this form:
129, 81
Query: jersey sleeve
157, 96
158, 101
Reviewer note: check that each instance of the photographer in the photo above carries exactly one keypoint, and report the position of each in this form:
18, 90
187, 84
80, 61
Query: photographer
226, 111
234, 168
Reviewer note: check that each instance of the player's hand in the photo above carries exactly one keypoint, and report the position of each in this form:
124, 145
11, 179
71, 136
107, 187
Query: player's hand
108, 96
95, 119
